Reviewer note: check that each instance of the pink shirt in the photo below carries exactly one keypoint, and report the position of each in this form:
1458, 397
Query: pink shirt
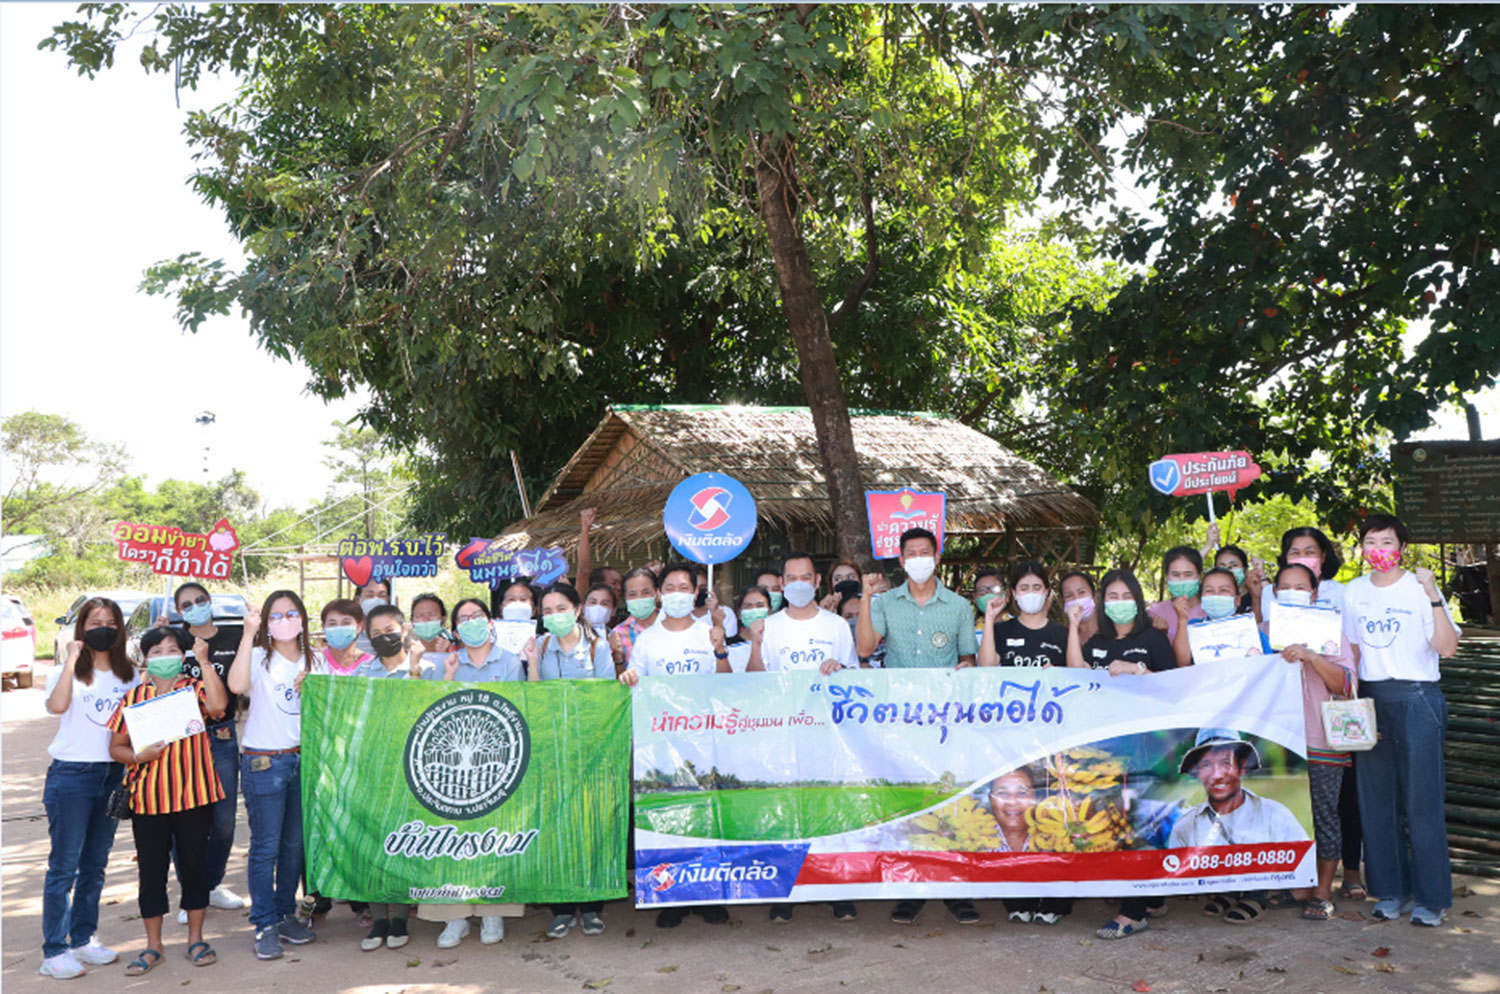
1315, 691
1165, 611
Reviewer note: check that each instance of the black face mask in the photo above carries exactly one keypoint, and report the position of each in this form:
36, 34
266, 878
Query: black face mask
101, 638
387, 645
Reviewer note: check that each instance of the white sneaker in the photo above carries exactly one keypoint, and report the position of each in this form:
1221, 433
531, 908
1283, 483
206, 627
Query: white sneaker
182, 917
453, 934
491, 929
63, 966
225, 899
95, 953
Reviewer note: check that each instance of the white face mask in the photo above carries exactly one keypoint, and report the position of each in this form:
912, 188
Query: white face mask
919, 569
596, 614
678, 604
1294, 598
371, 603
515, 611
1030, 603
799, 593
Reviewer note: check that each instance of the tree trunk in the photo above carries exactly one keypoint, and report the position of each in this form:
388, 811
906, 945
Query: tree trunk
809, 326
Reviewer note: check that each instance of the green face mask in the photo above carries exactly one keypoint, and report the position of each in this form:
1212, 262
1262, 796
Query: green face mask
426, 630
1182, 588
641, 608
1120, 612
164, 666
751, 615
1237, 573
777, 599
560, 623
984, 602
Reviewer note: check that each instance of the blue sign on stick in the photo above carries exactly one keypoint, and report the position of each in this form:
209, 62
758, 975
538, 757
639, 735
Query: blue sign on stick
710, 518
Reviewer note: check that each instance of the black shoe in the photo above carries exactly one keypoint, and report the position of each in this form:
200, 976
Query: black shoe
906, 912
843, 911
781, 913
963, 912
670, 917
714, 914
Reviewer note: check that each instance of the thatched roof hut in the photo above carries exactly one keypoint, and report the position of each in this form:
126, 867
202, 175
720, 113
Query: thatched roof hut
999, 506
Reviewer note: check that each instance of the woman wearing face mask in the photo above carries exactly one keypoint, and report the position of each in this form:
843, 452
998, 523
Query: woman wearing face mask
516, 601
478, 660
1309, 547
1237, 562
988, 589
428, 613
1029, 638
642, 604
842, 571
343, 628
270, 666
369, 597
1182, 567
84, 691
599, 608
1078, 591
753, 605
173, 788
1219, 598
1398, 623
1323, 677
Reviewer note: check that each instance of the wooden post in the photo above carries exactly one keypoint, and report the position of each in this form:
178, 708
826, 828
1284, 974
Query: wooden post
1492, 569
302, 573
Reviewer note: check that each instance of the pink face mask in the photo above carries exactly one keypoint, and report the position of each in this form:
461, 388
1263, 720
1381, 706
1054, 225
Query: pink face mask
285, 629
1383, 560
1311, 562
1085, 603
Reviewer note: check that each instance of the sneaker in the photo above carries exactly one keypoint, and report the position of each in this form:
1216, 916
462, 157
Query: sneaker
1045, 918
781, 913
268, 943
593, 924
1021, 917
182, 917
453, 933
1419, 916
712, 914
1391, 908
63, 966
295, 932
95, 953
491, 929
224, 899
398, 936
379, 929
844, 911
670, 917
560, 925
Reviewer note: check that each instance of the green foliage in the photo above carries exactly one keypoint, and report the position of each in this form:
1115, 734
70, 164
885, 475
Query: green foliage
50, 463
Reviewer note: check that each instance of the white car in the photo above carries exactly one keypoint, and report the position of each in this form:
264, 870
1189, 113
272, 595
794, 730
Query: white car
127, 599
18, 637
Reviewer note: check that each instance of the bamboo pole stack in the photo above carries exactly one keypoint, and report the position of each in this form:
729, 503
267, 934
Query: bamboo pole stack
1471, 683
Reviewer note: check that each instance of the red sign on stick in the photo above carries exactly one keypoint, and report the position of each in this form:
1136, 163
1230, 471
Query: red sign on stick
894, 511
174, 552
1191, 473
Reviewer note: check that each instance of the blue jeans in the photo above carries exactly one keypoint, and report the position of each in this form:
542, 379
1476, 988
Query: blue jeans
226, 753
273, 800
1401, 790
75, 797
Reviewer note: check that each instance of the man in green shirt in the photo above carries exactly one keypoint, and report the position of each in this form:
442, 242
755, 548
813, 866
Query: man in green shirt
923, 624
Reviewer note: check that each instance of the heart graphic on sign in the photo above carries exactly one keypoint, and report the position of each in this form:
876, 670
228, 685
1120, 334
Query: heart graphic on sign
1165, 475
358, 570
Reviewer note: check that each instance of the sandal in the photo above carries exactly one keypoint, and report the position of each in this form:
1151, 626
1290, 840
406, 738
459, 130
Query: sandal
1281, 900
1114, 930
141, 964
1216, 905
1244, 912
1317, 910
204, 957
1354, 892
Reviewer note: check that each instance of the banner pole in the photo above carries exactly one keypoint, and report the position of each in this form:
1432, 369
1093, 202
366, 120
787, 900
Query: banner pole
1211, 519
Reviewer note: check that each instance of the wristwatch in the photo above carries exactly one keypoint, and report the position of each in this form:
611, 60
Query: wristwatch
1141, 668
1437, 603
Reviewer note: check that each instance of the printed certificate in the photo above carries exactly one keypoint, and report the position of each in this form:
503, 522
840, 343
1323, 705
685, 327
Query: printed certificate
165, 718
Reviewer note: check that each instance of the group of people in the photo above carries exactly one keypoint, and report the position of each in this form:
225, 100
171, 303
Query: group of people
661, 621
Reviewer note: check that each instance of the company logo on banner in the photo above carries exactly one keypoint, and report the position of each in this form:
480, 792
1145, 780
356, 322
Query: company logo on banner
892, 512
174, 552
364, 560
709, 518
1191, 473
744, 873
489, 562
466, 754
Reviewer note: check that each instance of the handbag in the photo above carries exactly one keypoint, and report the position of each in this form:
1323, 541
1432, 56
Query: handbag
118, 805
1349, 724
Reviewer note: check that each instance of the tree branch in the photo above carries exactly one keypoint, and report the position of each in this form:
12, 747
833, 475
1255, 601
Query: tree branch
856, 292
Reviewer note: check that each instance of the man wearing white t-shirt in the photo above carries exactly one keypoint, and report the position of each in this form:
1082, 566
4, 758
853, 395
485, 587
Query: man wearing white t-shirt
1398, 625
804, 636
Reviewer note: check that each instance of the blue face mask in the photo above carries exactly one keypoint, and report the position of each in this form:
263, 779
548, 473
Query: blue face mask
198, 614
426, 630
474, 632
1217, 606
340, 636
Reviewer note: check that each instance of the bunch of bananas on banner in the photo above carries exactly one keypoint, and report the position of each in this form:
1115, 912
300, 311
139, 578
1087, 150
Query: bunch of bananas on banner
1079, 818
962, 826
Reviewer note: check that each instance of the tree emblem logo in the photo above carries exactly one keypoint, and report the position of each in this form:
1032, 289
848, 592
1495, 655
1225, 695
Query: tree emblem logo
466, 754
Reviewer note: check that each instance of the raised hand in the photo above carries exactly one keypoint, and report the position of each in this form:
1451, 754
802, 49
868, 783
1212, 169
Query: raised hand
1075, 616
870, 582
992, 611
200, 650
587, 515
161, 621
1182, 607
529, 653
252, 620
1428, 581
450, 666
74, 648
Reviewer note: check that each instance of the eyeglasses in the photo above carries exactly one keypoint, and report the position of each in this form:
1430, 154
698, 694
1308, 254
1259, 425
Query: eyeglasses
981, 591
293, 614
471, 617
197, 603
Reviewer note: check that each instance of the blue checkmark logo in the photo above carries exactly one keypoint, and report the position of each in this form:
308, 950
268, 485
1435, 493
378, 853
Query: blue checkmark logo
1165, 475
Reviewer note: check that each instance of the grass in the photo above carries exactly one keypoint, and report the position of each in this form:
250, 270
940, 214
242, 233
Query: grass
776, 813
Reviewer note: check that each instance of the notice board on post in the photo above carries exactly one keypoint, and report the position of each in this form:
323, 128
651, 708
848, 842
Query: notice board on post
1448, 491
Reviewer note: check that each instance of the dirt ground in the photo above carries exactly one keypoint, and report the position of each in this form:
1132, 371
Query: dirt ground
1183, 952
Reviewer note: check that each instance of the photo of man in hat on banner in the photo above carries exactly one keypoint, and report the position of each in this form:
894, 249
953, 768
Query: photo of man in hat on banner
1231, 815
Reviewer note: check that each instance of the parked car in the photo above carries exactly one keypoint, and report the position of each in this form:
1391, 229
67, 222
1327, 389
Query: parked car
19, 639
229, 611
127, 599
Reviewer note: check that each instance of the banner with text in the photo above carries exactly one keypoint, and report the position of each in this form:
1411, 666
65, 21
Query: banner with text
415, 790
791, 786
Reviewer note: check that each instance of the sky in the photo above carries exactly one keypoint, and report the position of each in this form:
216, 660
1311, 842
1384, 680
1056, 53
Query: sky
92, 191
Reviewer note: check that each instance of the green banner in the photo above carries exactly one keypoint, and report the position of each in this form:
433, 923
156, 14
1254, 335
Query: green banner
419, 790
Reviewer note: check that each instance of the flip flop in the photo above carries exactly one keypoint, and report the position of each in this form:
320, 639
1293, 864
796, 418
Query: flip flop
1317, 910
141, 965
1281, 900
1216, 905
1354, 892
1114, 930
204, 957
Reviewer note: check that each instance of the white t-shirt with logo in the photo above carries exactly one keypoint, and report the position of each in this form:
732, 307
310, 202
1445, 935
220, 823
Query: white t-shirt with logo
659, 652
789, 644
275, 720
83, 730
1392, 626
731, 623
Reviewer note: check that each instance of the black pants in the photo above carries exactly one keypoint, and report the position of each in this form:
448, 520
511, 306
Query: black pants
155, 838
1135, 908
1349, 824
583, 908
1044, 905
